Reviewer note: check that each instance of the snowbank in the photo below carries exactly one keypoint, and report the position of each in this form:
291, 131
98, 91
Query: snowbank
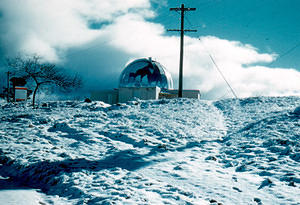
154, 152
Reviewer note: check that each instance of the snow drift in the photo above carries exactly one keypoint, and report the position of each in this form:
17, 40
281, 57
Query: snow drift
178, 151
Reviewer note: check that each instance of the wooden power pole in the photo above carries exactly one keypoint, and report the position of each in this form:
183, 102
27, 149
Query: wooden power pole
8, 85
182, 9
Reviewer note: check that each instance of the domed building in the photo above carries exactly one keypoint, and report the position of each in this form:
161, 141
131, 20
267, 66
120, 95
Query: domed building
145, 73
144, 79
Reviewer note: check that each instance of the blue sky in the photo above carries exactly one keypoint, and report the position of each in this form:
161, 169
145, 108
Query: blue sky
269, 25
255, 43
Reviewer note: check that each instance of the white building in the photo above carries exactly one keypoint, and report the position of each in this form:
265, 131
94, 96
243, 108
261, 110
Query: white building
144, 79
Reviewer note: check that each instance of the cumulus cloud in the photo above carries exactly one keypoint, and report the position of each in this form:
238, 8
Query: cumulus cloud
98, 37
46, 27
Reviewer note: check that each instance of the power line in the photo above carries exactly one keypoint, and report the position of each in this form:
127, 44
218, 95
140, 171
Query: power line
285, 53
187, 20
223, 76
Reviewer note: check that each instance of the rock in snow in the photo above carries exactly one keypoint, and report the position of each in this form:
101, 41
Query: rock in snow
178, 151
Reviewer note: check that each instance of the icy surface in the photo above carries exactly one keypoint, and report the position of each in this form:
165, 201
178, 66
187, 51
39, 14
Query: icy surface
176, 151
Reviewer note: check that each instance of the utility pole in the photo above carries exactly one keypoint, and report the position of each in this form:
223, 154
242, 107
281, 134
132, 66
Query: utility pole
8, 85
182, 9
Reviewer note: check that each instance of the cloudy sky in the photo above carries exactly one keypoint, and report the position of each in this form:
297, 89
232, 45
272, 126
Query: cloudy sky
254, 43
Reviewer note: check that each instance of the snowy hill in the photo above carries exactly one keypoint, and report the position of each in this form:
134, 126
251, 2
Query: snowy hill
178, 151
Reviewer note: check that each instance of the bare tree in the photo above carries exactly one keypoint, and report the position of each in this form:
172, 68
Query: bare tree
42, 73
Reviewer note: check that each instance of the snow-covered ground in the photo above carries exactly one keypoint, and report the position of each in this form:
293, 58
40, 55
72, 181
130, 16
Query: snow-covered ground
178, 151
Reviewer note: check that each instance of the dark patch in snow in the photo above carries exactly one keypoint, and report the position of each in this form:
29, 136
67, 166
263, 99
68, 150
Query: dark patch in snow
258, 201
17, 118
297, 111
46, 174
213, 158
71, 133
265, 173
241, 168
266, 182
7, 184
237, 189
296, 157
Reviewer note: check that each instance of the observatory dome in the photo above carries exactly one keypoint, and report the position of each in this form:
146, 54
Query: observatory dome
145, 73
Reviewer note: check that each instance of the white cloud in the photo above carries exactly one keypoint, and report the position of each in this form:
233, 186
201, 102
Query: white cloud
259, 80
36, 26
56, 27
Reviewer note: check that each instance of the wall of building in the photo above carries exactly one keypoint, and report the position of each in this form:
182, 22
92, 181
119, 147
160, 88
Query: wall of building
107, 96
143, 93
123, 95
185, 94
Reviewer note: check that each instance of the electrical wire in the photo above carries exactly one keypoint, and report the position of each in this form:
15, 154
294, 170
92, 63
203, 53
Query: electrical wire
189, 22
222, 75
285, 53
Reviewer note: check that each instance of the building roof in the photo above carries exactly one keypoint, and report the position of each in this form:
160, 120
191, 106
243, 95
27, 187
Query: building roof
145, 72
